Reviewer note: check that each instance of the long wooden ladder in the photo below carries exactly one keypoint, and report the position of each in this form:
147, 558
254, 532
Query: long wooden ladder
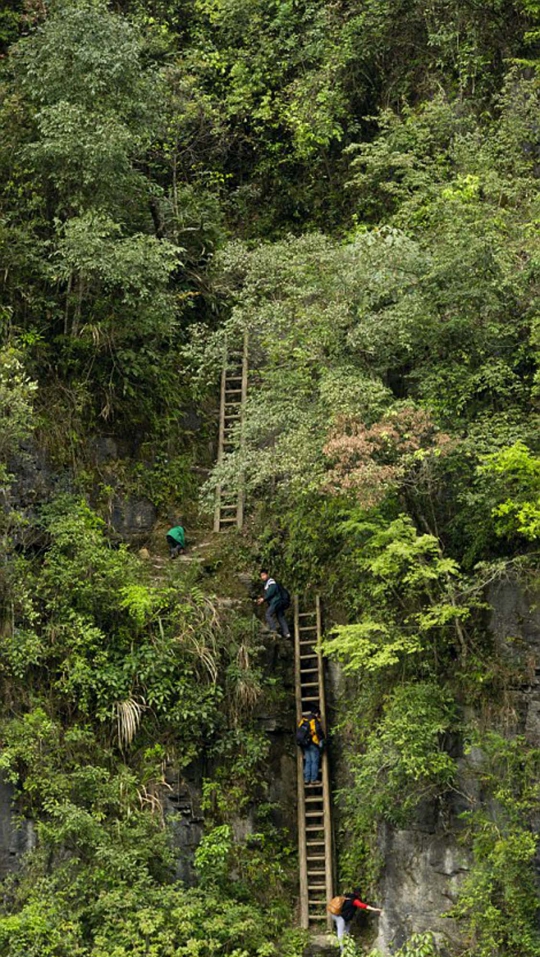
229, 507
315, 844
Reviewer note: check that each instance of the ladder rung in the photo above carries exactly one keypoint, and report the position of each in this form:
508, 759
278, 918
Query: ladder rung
314, 813
306, 614
313, 798
307, 628
318, 857
315, 844
304, 700
317, 916
303, 641
316, 887
310, 684
315, 903
315, 827
304, 657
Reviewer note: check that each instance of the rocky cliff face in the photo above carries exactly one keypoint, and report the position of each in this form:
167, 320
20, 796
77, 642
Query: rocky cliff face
424, 864
16, 837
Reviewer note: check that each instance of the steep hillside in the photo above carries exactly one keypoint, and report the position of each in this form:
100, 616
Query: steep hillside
354, 186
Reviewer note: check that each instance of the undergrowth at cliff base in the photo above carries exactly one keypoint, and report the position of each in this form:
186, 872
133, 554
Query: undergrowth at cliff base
108, 680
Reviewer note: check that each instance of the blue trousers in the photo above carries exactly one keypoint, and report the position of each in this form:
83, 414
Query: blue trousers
275, 617
312, 758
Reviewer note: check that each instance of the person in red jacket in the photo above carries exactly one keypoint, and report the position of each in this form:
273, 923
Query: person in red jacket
351, 905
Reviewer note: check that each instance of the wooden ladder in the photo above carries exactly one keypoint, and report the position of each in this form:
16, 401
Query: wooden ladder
229, 508
315, 845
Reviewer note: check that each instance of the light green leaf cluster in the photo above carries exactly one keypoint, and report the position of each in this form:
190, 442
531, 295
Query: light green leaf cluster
409, 598
515, 471
17, 395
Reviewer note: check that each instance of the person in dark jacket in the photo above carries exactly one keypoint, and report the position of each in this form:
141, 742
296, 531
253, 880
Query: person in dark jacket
351, 905
275, 612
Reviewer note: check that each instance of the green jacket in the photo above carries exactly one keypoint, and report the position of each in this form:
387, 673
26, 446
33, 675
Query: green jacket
272, 594
178, 534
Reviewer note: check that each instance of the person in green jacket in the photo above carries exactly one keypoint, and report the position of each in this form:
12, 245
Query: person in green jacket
176, 540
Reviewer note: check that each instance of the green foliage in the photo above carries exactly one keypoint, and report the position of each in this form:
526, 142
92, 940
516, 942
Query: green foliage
516, 473
169, 480
418, 945
134, 919
17, 393
403, 760
82, 224
113, 677
389, 449
499, 896
409, 598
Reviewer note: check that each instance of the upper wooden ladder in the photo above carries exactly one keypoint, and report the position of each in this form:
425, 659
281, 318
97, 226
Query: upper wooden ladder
229, 508
315, 844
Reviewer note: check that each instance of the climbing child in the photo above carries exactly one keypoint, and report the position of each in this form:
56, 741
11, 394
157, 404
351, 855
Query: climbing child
176, 540
310, 738
343, 909
278, 600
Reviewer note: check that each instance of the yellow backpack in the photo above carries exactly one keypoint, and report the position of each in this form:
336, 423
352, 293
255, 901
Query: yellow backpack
334, 906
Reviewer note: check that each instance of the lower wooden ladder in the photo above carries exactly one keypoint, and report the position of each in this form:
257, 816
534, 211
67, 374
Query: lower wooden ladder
315, 845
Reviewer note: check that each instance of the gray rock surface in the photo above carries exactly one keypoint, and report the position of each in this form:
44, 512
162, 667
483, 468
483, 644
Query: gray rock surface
133, 519
16, 838
425, 864
423, 869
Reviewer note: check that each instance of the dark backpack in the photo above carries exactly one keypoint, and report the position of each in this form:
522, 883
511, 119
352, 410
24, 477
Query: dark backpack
284, 596
348, 910
303, 734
